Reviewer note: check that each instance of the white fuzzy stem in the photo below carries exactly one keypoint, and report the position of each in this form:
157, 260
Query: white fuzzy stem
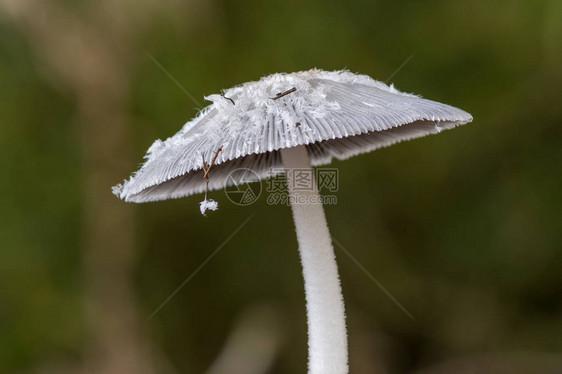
327, 337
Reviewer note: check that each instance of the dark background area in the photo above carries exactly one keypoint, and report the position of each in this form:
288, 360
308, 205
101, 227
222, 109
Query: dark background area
463, 228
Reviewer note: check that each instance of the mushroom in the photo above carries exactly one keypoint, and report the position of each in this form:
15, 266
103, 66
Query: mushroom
291, 121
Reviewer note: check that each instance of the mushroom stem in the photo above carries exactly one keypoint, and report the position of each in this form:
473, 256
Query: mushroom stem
327, 337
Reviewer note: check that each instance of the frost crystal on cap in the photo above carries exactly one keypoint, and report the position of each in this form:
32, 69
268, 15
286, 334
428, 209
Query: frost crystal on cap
335, 114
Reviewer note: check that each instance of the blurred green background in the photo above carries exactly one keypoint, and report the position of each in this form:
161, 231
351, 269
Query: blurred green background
464, 228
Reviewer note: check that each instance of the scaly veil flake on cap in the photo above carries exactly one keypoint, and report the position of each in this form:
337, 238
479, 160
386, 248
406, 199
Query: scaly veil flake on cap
293, 121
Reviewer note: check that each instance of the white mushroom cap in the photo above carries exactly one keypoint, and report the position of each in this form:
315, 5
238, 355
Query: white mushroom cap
335, 114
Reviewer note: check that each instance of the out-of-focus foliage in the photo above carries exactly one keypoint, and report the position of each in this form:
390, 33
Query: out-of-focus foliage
463, 228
